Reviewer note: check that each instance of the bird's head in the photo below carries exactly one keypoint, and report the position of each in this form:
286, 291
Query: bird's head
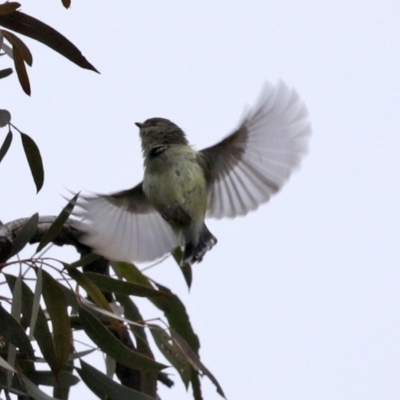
160, 131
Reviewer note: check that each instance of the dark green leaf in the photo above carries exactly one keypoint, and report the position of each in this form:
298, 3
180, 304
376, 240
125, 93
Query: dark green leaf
57, 225
185, 269
104, 387
131, 273
108, 343
148, 380
92, 290
34, 160
109, 284
13, 332
34, 391
66, 3
20, 45
5, 72
85, 260
6, 145
9, 7
5, 118
194, 360
178, 319
46, 378
42, 333
21, 70
172, 353
57, 308
25, 235
35, 29
36, 302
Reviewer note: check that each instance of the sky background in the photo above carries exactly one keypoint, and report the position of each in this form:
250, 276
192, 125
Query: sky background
300, 299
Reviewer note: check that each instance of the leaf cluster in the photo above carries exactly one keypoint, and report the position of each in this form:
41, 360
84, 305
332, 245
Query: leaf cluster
52, 301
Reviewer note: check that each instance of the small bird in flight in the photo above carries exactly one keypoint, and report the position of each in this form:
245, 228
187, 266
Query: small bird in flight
182, 186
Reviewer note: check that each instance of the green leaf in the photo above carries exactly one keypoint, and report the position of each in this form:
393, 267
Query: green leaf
34, 391
5, 72
35, 29
172, 353
46, 378
24, 235
186, 270
42, 333
36, 302
131, 273
6, 145
104, 387
194, 360
9, 7
92, 290
109, 284
5, 118
85, 260
108, 343
13, 332
148, 380
176, 314
4, 364
57, 308
20, 45
57, 225
34, 160
66, 3
20, 68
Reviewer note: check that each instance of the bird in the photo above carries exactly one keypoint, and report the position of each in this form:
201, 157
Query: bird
182, 186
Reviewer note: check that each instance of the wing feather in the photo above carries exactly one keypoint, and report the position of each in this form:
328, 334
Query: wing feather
254, 162
124, 226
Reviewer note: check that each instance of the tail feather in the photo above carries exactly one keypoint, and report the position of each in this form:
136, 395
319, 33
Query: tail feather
195, 252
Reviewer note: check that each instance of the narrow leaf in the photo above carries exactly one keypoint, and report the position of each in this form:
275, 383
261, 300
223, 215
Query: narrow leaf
25, 235
108, 343
4, 364
34, 391
91, 289
5, 72
5, 118
21, 70
8, 7
35, 29
85, 260
22, 47
6, 145
104, 387
34, 160
57, 225
194, 360
172, 353
42, 332
186, 270
36, 302
109, 284
66, 3
57, 308
13, 332
46, 378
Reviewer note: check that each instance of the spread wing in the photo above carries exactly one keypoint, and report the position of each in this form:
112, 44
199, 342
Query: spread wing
124, 226
250, 165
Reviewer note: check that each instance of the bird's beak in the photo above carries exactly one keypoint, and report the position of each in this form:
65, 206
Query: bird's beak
139, 124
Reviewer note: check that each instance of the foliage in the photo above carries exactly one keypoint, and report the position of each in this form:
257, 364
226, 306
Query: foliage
89, 295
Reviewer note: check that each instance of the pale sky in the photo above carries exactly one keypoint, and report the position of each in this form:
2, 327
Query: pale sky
300, 299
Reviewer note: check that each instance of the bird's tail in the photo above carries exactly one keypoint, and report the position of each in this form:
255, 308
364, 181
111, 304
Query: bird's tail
195, 253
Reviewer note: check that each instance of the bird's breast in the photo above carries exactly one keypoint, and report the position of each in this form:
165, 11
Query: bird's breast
175, 178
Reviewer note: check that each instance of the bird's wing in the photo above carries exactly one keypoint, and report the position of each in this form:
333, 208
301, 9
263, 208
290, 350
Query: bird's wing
250, 165
124, 226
